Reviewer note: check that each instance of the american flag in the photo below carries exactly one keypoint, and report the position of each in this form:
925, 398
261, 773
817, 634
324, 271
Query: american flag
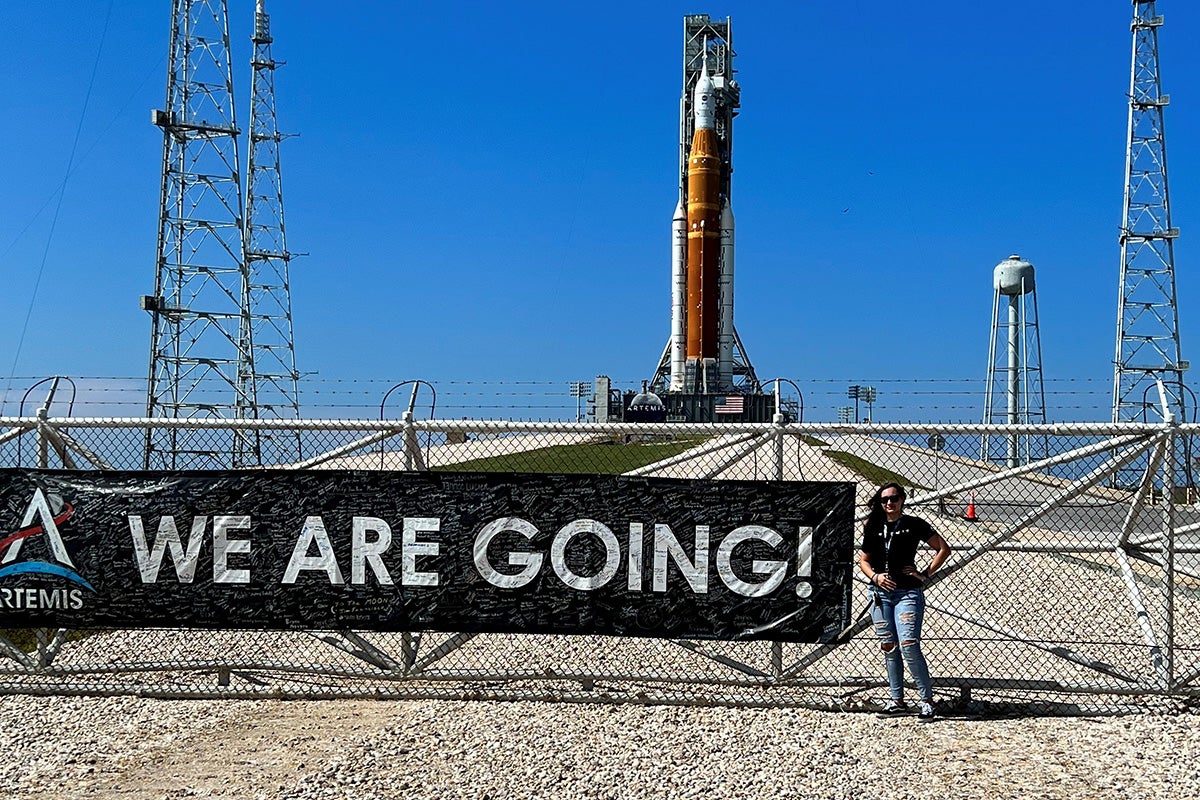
733, 404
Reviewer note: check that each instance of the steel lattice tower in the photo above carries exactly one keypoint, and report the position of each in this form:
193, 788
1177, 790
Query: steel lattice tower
201, 359
1147, 315
274, 381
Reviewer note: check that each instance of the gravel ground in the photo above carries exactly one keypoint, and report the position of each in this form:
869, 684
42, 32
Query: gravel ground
139, 748
129, 747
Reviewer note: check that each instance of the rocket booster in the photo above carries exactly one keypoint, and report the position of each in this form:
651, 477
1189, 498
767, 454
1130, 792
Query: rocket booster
678, 343
704, 228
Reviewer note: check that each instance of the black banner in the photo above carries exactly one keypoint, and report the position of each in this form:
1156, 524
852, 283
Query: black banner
390, 551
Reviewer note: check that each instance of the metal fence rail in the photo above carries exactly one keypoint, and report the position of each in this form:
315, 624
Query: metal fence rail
1071, 586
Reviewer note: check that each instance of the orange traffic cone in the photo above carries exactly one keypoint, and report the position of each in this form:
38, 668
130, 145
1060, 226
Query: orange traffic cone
971, 516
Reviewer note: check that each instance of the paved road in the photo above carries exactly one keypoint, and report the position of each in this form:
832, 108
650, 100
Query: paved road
1096, 516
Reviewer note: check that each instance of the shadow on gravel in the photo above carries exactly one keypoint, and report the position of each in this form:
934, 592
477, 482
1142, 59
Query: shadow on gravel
987, 710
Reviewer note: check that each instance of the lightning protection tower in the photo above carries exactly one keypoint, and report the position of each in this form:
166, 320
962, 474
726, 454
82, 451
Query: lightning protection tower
200, 344
1147, 315
1015, 393
273, 383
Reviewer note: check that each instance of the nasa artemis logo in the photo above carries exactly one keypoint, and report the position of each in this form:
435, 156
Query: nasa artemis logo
45, 555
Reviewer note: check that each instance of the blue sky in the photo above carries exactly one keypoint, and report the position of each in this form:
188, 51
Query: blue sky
484, 190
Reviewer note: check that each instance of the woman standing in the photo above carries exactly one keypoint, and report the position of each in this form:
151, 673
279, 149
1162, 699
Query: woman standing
888, 559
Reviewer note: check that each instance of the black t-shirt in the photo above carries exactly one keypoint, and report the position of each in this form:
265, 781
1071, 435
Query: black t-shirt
893, 547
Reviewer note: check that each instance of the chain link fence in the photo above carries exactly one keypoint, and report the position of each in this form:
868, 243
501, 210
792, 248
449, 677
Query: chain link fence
1074, 582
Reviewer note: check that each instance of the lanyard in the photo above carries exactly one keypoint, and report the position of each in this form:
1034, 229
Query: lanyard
889, 533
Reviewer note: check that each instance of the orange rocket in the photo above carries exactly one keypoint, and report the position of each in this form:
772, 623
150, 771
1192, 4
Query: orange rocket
703, 228
701, 350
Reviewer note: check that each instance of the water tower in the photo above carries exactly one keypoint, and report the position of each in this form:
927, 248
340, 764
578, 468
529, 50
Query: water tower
1019, 395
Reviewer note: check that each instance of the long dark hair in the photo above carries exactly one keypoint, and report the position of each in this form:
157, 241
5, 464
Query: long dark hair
877, 515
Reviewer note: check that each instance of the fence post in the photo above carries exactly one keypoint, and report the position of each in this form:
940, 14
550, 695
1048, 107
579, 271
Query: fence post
1168, 519
777, 421
408, 436
1168, 468
43, 439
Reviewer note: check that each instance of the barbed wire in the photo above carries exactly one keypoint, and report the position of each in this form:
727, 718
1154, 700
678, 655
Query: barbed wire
931, 399
133, 382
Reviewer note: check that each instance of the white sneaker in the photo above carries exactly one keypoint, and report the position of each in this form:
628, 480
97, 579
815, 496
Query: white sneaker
893, 708
926, 712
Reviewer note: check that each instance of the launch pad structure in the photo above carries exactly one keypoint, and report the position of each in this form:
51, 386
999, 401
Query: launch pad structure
704, 361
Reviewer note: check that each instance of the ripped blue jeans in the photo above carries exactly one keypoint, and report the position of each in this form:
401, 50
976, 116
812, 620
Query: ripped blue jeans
897, 616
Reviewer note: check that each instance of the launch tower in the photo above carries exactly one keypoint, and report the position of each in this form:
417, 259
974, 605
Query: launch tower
704, 356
